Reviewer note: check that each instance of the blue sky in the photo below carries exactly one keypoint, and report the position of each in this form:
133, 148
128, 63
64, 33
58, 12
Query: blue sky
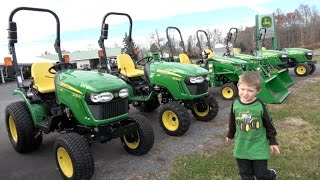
81, 22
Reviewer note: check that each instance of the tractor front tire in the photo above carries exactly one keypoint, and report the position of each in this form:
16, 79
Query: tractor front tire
23, 135
174, 119
141, 141
229, 91
302, 69
205, 111
73, 157
313, 68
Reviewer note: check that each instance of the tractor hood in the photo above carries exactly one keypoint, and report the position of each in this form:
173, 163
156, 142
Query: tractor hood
297, 51
247, 57
89, 81
227, 60
174, 68
272, 53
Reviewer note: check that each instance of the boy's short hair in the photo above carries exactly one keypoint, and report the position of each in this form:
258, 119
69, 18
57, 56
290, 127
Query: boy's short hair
251, 78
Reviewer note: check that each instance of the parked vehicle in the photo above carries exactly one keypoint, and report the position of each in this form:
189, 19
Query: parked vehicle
78, 104
173, 87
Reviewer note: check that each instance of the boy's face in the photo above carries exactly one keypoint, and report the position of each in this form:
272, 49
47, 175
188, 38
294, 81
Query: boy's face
247, 93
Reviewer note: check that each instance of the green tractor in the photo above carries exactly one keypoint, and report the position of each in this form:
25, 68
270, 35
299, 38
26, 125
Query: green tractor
225, 71
175, 87
301, 60
282, 74
78, 104
298, 58
272, 90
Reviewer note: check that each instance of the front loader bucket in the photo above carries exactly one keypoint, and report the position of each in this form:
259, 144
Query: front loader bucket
273, 90
285, 78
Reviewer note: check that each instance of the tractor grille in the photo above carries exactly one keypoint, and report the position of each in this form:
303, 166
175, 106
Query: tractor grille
309, 57
196, 89
110, 109
284, 60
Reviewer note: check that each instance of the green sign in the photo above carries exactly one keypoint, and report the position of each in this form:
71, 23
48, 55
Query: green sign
266, 21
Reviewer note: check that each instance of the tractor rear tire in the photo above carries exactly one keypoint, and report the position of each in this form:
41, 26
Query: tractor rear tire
23, 135
174, 119
205, 111
229, 91
139, 142
73, 157
313, 68
302, 69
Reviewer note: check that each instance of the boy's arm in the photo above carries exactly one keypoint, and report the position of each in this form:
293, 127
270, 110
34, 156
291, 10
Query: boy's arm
232, 124
268, 124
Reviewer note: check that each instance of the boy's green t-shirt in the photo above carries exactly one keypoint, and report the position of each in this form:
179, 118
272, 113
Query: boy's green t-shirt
250, 138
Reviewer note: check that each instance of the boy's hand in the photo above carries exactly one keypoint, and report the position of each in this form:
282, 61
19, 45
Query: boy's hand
228, 139
275, 149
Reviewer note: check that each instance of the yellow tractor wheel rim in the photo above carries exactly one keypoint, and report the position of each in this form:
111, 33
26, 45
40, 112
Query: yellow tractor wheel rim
227, 92
301, 70
170, 120
65, 162
132, 144
258, 125
201, 113
247, 127
13, 129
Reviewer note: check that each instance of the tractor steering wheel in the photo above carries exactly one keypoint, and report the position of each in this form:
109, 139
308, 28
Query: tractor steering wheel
59, 66
144, 60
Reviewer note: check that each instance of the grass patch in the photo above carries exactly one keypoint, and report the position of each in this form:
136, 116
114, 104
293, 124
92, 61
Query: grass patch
297, 121
316, 58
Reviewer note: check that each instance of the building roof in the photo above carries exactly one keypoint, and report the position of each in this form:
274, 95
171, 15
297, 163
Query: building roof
28, 61
81, 55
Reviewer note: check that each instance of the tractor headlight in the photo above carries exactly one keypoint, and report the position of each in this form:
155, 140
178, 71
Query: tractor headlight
310, 53
284, 56
123, 93
101, 97
207, 77
194, 80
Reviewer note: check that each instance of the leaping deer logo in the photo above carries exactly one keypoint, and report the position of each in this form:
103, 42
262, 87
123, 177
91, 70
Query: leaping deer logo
266, 21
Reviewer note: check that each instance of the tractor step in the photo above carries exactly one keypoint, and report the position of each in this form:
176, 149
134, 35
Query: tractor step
44, 126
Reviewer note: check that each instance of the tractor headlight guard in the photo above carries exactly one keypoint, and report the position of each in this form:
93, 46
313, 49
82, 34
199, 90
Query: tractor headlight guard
195, 80
101, 97
123, 93
207, 78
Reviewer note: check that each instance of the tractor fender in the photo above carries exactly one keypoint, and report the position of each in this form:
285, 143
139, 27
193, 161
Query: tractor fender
36, 110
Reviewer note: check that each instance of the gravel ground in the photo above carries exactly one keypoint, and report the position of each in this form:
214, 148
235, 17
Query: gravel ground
157, 164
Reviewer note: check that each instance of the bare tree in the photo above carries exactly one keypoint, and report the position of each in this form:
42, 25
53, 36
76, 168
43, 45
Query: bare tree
158, 41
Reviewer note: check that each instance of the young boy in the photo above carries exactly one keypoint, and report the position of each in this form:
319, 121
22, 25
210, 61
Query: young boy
252, 127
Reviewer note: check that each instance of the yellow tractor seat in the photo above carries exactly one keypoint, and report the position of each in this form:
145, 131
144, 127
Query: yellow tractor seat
126, 66
43, 80
236, 51
209, 53
263, 48
184, 58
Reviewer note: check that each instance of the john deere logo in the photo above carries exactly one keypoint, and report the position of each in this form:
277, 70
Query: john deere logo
266, 22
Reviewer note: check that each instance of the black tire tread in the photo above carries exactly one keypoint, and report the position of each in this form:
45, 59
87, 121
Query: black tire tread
146, 135
183, 116
25, 127
213, 112
79, 151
